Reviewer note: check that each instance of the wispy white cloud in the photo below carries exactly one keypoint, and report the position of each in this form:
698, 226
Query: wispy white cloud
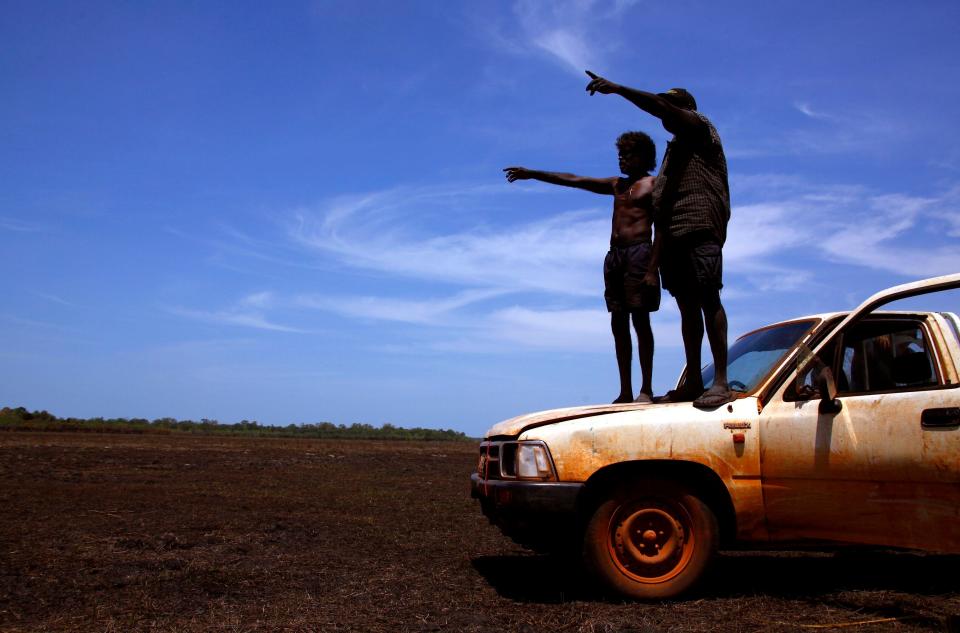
874, 239
247, 312
20, 226
569, 47
233, 243
521, 328
258, 300
576, 34
772, 236
823, 132
53, 298
573, 330
806, 109
35, 323
201, 347
536, 284
772, 278
420, 311
845, 224
949, 160
229, 317
557, 254
948, 212
775, 221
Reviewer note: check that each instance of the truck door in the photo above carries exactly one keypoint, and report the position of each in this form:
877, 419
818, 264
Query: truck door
885, 468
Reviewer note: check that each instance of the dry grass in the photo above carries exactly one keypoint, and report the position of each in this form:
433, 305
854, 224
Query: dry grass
159, 533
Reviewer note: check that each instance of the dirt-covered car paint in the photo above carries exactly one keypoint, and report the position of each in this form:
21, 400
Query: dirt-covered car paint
725, 440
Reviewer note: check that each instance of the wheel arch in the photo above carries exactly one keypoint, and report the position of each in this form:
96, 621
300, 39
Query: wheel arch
700, 479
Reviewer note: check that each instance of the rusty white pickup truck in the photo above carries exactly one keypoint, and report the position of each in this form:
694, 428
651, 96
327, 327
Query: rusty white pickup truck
846, 430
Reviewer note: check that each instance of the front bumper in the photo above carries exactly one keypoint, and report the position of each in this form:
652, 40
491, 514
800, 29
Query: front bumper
540, 515
525, 497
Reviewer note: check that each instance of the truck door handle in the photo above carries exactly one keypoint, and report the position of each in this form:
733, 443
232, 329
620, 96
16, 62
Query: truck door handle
943, 418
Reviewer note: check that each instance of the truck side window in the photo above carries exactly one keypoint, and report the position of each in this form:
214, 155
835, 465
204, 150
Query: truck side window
884, 356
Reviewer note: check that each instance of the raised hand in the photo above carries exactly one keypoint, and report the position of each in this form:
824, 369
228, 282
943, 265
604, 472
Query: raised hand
601, 85
518, 173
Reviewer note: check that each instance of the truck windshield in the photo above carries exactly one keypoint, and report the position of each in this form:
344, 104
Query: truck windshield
753, 355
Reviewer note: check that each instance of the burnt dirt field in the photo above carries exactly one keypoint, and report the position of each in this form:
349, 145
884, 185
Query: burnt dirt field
104, 532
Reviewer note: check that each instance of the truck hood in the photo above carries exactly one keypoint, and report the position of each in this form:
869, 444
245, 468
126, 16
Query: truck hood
514, 426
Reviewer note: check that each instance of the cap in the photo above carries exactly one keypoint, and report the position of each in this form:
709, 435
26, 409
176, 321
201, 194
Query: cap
680, 97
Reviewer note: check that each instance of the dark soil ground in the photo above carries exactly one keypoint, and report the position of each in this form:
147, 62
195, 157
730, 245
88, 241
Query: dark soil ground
179, 533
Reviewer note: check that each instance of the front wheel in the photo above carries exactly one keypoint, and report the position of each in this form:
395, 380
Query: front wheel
650, 540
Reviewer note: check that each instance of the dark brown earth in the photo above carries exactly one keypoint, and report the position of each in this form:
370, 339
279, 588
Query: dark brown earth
179, 533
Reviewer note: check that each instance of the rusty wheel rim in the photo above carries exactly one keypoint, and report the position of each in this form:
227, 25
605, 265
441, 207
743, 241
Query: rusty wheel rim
651, 542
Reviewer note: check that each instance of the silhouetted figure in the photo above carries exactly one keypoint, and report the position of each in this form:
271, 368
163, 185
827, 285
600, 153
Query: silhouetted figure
692, 207
632, 285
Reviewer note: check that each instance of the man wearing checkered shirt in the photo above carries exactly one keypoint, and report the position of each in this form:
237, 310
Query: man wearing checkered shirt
691, 200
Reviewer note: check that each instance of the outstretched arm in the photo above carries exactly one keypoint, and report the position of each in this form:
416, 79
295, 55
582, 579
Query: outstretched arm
676, 120
596, 185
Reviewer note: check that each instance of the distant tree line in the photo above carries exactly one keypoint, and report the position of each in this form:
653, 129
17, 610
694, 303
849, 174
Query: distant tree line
19, 419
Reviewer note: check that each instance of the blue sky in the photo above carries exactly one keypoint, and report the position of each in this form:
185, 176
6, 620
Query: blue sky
295, 212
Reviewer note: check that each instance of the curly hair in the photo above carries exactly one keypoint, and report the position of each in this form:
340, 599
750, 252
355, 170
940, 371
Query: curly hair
640, 145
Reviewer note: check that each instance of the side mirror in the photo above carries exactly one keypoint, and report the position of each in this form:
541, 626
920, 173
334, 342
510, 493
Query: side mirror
815, 377
827, 387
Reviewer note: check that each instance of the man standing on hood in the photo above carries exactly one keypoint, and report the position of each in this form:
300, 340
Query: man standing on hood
691, 201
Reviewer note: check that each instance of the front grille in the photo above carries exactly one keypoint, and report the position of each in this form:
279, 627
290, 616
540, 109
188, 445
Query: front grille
488, 466
508, 460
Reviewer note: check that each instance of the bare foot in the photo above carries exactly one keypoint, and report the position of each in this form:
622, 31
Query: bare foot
715, 396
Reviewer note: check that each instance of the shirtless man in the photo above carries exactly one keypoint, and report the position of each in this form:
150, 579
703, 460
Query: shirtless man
630, 268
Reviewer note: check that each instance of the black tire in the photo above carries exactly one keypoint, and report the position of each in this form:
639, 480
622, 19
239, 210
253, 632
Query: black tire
650, 540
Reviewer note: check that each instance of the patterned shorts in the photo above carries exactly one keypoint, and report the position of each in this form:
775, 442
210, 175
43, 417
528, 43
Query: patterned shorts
623, 272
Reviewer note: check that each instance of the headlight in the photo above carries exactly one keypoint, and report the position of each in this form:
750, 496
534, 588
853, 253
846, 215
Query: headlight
532, 461
526, 460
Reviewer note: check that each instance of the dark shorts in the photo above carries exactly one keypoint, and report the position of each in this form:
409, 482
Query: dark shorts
623, 271
692, 264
